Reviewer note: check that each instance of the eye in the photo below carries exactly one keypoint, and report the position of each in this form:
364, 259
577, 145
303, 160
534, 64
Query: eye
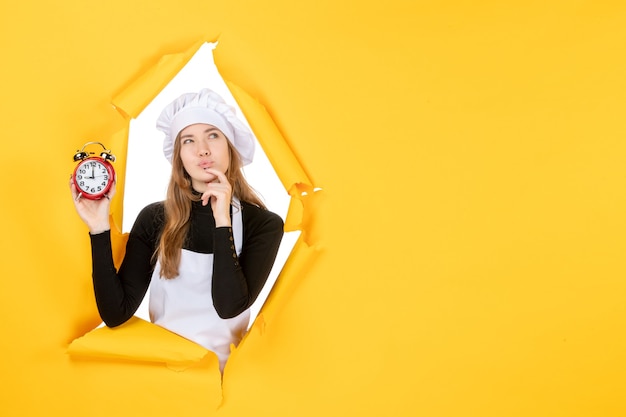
213, 135
186, 140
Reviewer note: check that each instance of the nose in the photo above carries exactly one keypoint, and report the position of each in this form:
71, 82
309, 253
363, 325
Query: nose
204, 150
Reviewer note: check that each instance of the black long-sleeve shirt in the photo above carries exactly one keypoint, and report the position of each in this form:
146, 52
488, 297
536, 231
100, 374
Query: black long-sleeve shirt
236, 282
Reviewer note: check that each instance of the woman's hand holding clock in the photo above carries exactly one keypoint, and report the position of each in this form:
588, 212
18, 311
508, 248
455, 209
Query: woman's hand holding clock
94, 213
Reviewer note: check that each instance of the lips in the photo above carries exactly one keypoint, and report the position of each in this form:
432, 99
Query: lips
205, 164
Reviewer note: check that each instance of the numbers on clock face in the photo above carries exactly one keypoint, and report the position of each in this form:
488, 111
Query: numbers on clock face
92, 176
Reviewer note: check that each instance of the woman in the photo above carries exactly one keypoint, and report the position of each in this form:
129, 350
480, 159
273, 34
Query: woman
207, 250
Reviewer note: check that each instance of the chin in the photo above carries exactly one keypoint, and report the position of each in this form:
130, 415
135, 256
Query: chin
202, 180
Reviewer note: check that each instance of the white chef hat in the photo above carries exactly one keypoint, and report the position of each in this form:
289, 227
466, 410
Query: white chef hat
207, 107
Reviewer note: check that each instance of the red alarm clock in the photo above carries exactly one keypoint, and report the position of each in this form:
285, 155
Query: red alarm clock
94, 175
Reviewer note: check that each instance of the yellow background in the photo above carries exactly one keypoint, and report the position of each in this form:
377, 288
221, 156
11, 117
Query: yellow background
466, 252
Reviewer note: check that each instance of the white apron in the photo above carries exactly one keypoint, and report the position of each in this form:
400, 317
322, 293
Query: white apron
184, 304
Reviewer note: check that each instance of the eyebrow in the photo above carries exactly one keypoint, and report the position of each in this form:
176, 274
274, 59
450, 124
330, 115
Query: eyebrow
210, 129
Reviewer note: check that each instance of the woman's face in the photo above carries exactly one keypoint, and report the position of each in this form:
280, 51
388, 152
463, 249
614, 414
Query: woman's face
203, 147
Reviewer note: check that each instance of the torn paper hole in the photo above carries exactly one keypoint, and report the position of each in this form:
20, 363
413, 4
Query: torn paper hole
288, 171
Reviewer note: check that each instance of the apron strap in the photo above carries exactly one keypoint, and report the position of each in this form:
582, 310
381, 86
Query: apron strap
237, 221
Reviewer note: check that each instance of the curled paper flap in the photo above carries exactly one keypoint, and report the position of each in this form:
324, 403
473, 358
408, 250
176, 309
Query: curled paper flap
133, 99
139, 340
118, 143
285, 163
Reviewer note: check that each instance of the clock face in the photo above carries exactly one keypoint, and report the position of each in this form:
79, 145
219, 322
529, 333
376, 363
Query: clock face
93, 177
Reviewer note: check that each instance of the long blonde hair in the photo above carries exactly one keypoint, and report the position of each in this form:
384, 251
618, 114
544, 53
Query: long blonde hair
179, 198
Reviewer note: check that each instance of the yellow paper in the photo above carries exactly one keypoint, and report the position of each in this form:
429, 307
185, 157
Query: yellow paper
464, 256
